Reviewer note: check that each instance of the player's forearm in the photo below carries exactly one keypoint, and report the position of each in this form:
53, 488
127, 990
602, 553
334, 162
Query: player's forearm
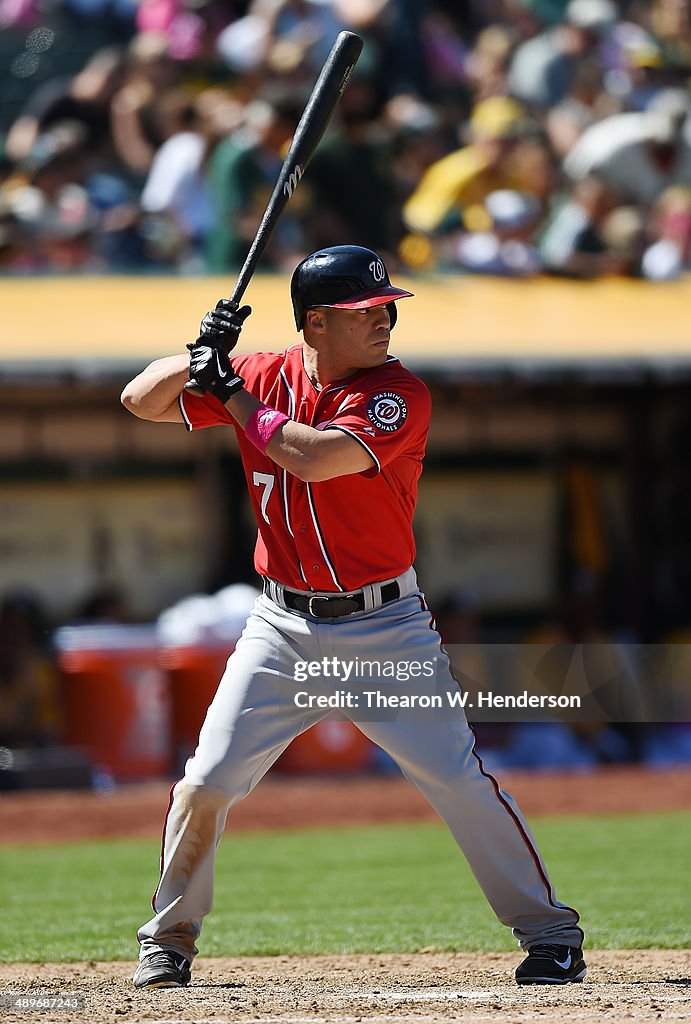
297, 448
309, 454
157, 387
294, 446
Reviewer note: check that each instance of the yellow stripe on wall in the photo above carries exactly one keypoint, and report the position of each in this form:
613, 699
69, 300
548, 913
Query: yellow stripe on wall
125, 317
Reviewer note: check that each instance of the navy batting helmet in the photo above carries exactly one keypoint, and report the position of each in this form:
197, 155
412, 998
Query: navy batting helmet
343, 277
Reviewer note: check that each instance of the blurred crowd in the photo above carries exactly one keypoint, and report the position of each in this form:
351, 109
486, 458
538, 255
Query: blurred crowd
510, 137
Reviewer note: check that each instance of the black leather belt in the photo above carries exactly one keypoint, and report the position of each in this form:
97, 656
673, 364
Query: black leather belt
332, 607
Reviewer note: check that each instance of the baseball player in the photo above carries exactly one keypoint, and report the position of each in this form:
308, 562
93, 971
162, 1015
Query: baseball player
332, 433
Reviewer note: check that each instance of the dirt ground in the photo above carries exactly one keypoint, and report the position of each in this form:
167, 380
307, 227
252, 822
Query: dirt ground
288, 801
626, 985
622, 985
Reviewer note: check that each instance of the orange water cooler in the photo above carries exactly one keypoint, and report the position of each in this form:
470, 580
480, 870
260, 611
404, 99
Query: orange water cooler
116, 699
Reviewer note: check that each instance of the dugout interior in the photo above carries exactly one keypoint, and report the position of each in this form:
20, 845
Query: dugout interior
557, 460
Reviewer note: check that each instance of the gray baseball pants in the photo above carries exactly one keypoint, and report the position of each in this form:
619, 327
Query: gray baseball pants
254, 716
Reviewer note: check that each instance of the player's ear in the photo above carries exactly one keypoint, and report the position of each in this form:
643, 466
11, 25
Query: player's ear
315, 319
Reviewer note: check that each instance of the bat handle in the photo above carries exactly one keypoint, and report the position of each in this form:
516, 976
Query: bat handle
238, 291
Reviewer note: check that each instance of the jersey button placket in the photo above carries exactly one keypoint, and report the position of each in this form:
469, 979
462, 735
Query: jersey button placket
307, 533
305, 537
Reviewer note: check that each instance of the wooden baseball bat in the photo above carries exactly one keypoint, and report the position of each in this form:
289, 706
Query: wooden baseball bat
326, 93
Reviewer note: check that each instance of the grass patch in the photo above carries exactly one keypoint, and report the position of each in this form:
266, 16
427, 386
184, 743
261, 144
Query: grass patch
376, 889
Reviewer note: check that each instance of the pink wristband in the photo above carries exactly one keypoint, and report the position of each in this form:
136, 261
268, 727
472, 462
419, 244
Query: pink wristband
262, 425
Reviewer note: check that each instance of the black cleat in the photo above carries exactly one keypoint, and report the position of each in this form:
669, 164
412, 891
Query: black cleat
162, 969
548, 964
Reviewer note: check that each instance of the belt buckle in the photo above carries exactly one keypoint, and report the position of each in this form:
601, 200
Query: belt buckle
310, 610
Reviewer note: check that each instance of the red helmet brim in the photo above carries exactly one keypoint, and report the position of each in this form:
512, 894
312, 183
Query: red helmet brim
378, 297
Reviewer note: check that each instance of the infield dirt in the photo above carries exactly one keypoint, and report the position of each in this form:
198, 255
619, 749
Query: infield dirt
630, 985
285, 801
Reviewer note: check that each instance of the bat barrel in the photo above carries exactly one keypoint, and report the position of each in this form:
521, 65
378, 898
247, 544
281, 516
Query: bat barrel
327, 91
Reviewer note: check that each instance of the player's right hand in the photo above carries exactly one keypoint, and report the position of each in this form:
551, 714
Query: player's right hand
223, 324
211, 369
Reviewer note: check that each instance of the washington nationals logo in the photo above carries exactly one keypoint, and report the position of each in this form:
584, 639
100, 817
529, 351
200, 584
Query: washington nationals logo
292, 181
387, 411
378, 272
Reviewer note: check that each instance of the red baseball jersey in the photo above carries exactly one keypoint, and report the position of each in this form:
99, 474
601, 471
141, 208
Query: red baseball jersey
338, 534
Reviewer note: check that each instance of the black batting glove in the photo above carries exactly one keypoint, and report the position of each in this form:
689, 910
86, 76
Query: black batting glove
223, 324
211, 370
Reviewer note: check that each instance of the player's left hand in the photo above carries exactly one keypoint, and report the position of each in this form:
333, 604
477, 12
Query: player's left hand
211, 369
223, 324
